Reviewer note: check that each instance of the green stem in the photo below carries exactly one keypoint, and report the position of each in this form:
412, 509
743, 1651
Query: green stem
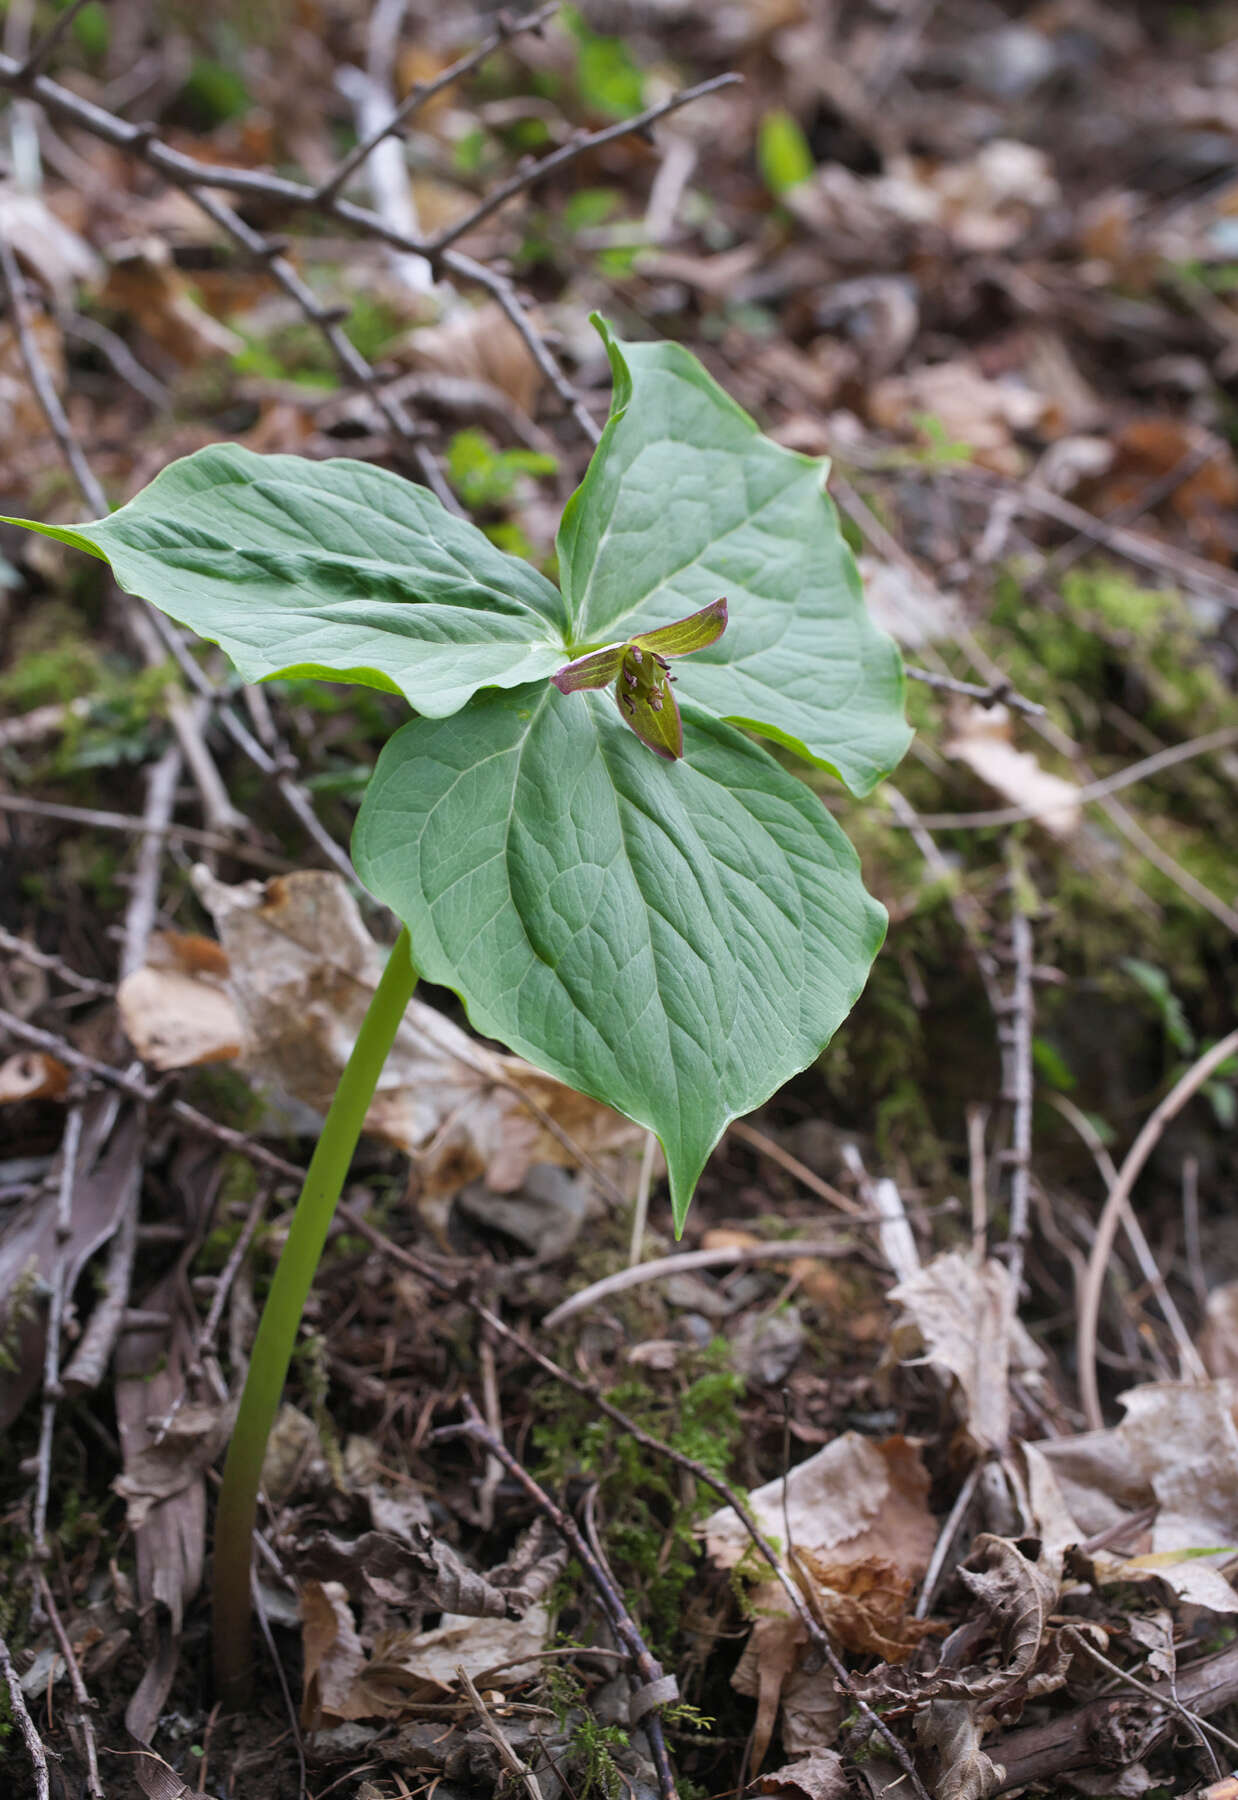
281, 1317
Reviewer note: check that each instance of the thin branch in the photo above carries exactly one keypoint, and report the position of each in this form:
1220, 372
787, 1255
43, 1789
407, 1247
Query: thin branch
43, 386
1224, 739
94, 1786
1190, 1363
1181, 566
47, 43
621, 1621
578, 146
86, 985
1015, 1034
1119, 1194
25, 1724
662, 1267
97, 820
997, 693
423, 92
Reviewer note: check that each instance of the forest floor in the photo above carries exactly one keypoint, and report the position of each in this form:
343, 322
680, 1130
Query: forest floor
966, 1340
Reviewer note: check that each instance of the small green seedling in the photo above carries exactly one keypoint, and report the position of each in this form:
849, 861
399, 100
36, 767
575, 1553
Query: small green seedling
674, 933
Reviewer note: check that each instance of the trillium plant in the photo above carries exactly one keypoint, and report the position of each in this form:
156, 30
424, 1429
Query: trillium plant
626, 888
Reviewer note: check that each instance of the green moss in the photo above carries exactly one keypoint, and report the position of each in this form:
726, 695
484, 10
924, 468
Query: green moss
648, 1511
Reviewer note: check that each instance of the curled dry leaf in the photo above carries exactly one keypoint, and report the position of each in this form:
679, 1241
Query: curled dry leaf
1016, 1597
960, 1317
950, 1730
426, 1574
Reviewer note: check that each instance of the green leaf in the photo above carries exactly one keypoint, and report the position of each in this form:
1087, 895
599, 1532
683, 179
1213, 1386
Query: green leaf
674, 939
333, 569
783, 155
684, 501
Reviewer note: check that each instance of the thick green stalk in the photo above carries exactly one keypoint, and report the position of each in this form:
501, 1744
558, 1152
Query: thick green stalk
281, 1317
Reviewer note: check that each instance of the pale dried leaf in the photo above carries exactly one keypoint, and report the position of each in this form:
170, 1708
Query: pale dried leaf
145, 284
854, 1499
982, 741
482, 344
771, 1653
961, 1318
302, 968
190, 1445
820, 1776
333, 1658
176, 1020
32, 1075
1130, 1783
967, 407
949, 1728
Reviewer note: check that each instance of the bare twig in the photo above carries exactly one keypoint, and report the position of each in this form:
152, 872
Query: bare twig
82, 1699
637, 1275
621, 1621
569, 152
1224, 739
1015, 1034
422, 92
512, 1763
1190, 1364
47, 43
996, 693
42, 384
25, 1724
18, 948
764, 1145
946, 1537
640, 1211
69, 1148
1183, 568
1089, 1305
97, 820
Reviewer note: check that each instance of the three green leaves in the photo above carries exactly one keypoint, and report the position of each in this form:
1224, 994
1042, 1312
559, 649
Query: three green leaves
676, 933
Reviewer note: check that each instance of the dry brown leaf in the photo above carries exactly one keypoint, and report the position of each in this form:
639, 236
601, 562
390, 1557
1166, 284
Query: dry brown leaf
22, 420
985, 202
856, 1504
32, 1075
301, 969
145, 283
1016, 1596
1176, 1451
190, 1445
982, 739
820, 1776
864, 1605
176, 1020
950, 1729
961, 1318
969, 407
334, 1658
770, 1655
482, 344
